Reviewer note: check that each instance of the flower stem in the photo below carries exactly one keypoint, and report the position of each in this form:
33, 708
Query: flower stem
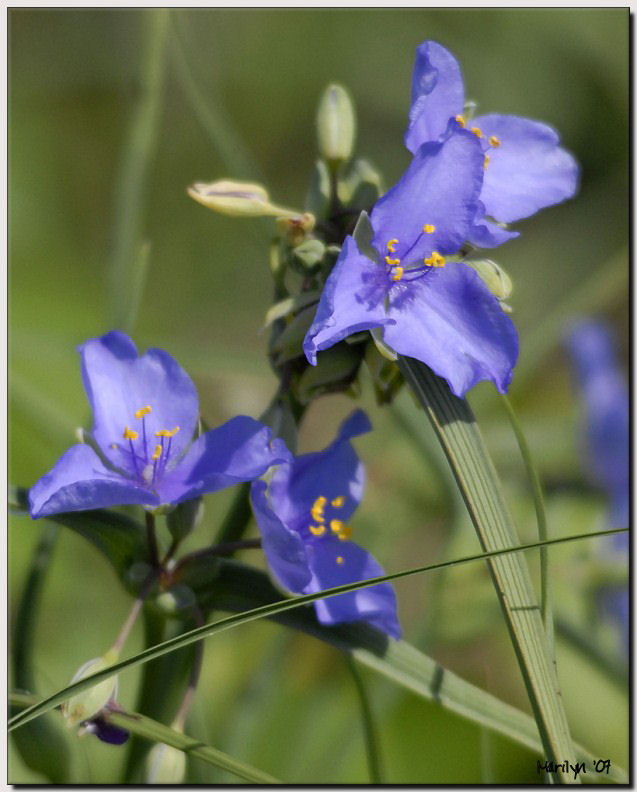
369, 727
540, 513
134, 613
152, 539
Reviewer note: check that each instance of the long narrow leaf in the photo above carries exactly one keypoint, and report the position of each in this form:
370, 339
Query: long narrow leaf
149, 729
460, 438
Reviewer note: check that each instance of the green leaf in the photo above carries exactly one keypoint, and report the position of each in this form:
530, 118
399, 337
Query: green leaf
364, 236
149, 729
370, 646
290, 305
121, 539
460, 438
289, 344
337, 366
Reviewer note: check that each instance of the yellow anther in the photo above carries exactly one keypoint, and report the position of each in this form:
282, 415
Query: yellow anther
143, 411
336, 526
477, 132
167, 432
317, 509
437, 260
157, 453
429, 262
429, 229
461, 120
392, 262
487, 160
398, 274
391, 245
494, 141
345, 532
340, 560
338, 502
130, 434
114, 446
317, 530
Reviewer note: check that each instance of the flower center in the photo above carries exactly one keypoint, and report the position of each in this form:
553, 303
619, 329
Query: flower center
147, 466
324, 524
396, 270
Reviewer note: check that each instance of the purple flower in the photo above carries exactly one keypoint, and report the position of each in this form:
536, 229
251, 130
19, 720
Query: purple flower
525, 168
145, 412
302, 516
429, 307
607, 427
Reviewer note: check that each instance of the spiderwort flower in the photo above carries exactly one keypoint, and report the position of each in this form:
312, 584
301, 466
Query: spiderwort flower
429, 306
302, 516
525, 169
145, 412
605, 396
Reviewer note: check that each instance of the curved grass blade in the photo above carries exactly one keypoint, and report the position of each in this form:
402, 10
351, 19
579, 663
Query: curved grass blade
270, 610
149, 729
460, 438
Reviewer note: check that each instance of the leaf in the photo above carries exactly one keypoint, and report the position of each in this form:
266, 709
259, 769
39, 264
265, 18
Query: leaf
364, 236
374, 645
157, 732
460, 438
121, 539
290, 305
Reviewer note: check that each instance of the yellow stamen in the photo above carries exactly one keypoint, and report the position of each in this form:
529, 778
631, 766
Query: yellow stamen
337, 526
461, 120
487, 160
345, 532
392, 262
317, 530
494, 141
338, 502
114, 446
477, 132
398, 274
429, 262
340, 560
143, 411
167, 432
130, 434
157, 453
391, 245
317, 509
429, 229
438, 260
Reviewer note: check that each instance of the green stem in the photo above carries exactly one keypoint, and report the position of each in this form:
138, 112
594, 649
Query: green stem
153, 548
125, 277
369, 727
546, 602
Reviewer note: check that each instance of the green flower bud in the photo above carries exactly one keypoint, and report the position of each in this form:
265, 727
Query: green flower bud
336, 125
89, 702
165, 765
238, 199
494, 276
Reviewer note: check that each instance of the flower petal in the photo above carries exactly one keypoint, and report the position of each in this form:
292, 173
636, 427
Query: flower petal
487, 234
352, 300
527, 171
437, 94
118, 383
283, 547
440, 189
334, 563
450, 320
333, 472
242, 449
79, 481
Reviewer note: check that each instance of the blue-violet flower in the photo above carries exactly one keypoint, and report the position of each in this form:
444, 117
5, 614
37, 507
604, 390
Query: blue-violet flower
444, 316
145, 412
302, 515
525, 168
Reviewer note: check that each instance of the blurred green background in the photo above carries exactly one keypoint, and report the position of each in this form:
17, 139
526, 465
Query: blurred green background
239, 90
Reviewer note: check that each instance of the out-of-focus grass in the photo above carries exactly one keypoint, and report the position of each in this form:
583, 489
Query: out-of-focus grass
269, 696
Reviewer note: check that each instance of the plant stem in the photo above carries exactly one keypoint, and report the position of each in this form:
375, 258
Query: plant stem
153, 549
369, 727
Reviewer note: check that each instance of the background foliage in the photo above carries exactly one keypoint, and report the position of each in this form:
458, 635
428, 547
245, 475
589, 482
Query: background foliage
239, 98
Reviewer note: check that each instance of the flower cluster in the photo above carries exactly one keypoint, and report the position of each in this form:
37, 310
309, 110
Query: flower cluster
411, 281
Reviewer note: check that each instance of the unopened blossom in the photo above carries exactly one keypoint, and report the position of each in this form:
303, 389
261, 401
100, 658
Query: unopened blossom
142, 451
303, 517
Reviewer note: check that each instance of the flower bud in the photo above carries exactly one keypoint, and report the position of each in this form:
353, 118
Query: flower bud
89, 702
238, 199
494, 276
165, 765
336, 125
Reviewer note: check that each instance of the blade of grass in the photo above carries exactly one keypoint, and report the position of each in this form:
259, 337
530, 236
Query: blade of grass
460, 438
149, 729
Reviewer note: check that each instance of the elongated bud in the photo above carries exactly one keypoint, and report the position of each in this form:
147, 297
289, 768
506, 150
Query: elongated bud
238, 199
494, 276
336, 125
89, 702
165, 765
